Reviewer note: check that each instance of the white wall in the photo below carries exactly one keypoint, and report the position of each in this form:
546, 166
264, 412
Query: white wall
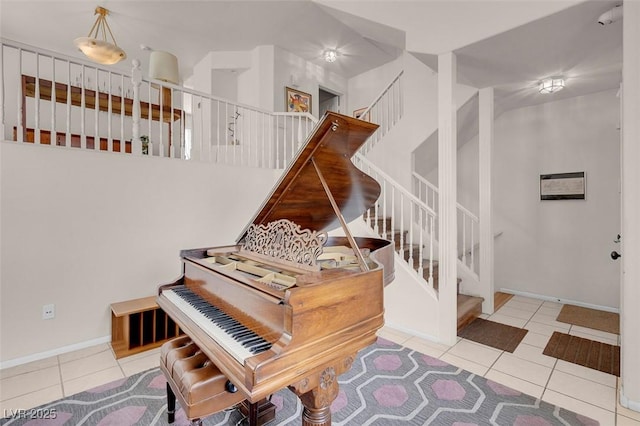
420, 103
84, 229
293, 71
255, 85
556, 248
420, 106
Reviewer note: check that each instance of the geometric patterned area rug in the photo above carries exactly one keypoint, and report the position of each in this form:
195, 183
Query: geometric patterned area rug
494, 334
387, 385
590, 318
588, 353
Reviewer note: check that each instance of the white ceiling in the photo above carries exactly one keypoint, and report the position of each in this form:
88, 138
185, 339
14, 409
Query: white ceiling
191, 29
568, 42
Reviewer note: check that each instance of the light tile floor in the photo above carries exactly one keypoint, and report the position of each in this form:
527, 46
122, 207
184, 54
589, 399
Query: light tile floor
576, 388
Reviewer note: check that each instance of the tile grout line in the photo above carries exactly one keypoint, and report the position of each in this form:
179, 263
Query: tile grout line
60, 376
117, 361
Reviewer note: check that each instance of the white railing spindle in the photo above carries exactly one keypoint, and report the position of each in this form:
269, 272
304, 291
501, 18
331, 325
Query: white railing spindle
96, 110
136, 79
67, 136
122, 108
468, 222
53, 134
109, 114
83, 109
403, 208
262, 138
2, 112
36, 132
20, 136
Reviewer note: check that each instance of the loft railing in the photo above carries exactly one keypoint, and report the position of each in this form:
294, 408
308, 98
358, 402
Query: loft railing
468, 228
401, 217
104, 110
385, 110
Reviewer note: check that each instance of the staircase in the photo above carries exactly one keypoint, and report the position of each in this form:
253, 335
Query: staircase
469, 307
409, 220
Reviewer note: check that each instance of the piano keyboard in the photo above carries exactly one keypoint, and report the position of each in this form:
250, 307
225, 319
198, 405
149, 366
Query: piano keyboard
239, 341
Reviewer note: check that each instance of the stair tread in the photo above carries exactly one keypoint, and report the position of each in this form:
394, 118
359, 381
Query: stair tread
469, 308
466, 300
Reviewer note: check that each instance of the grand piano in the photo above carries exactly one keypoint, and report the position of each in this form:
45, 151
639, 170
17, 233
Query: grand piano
287, 305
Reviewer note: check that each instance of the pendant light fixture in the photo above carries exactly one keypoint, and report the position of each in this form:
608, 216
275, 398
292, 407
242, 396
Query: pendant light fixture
96, 46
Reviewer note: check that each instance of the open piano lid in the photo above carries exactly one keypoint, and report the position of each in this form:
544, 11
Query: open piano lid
322, 171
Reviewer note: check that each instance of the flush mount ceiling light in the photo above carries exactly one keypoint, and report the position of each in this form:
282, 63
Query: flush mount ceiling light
330, 55
551, 85
97, 49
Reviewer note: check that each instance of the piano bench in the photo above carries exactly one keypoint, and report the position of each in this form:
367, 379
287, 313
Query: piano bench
194, 380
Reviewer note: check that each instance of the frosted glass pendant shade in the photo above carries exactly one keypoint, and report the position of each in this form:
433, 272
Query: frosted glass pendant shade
102, 50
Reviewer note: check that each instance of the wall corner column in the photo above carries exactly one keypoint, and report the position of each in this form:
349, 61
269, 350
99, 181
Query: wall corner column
485, 157
447, 197
630, 288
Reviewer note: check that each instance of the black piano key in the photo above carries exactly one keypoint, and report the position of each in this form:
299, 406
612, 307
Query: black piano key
260, 348
235, 328
253, 341
241, 333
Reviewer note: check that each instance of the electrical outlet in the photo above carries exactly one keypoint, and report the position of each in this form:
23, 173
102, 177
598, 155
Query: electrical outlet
48, 311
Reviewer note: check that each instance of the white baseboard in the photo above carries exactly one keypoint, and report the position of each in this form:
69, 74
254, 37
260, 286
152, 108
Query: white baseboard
627, 403
560, 300
410, 331
46, 354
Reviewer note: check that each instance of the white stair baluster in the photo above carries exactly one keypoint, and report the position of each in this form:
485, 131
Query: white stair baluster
83, 109
36, 130
96, 114
109, 112
123, 142
54, 134
136, 79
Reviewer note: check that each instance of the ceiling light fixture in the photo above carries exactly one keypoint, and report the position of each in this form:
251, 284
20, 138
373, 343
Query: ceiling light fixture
551, 85
330, 55
100, 50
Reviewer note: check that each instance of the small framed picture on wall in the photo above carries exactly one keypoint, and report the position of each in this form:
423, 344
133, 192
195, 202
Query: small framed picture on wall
563, 186
297, 101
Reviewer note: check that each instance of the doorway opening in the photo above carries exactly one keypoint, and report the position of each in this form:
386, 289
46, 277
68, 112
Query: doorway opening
328, 101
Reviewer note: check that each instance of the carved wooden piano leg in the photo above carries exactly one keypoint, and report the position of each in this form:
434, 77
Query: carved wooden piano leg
317, 405
318, 391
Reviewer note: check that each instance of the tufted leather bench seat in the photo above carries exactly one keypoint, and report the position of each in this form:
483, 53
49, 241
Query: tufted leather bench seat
196, 382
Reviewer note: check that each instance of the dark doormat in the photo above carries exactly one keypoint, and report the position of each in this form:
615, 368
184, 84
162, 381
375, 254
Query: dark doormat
588, 353
494, 334
590, 318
